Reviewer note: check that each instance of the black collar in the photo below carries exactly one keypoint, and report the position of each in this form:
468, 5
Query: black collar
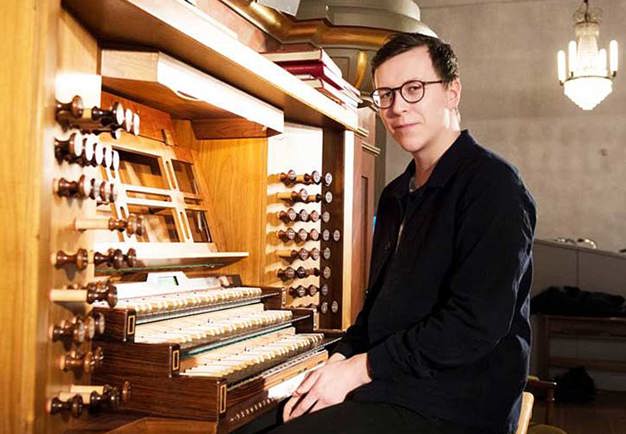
447, 165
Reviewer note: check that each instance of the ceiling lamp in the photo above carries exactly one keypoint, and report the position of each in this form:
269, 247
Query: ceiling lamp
588, 79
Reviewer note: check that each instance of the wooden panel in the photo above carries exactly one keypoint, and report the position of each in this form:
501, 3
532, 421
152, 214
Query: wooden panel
26, 76
333, 161
363, 220
228, 129
234, 172
152, 360
184, 397
76, 74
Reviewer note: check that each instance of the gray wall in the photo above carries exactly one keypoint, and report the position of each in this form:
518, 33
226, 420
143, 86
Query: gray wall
574, 162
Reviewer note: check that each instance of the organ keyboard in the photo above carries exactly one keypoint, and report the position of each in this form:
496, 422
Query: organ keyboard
205, 348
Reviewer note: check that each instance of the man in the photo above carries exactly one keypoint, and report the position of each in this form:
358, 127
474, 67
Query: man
442, 342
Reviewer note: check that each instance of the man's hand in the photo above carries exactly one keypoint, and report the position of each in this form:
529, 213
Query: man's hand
328, 385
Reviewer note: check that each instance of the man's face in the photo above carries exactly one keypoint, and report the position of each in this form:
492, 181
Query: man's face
415, 126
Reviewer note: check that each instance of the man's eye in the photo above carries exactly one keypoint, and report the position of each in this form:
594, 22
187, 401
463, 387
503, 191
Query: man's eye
414, 88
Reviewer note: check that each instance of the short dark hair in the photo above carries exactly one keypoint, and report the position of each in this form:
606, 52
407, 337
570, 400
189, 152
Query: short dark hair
444, 60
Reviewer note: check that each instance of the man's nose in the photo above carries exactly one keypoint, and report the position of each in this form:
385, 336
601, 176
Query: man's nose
399, 104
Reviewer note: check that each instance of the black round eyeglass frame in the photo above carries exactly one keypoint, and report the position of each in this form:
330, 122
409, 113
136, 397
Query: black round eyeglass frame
375, 95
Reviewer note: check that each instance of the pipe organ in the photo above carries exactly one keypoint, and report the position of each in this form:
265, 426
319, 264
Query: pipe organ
191, 262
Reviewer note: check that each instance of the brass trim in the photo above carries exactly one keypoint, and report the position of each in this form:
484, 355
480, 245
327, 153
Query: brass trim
287, 30
361, 68
175, 360
130, 326
222, 398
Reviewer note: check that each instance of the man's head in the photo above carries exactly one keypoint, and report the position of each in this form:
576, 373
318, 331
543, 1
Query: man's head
418, 89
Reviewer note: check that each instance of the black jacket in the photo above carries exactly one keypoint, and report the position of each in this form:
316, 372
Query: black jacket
445, 321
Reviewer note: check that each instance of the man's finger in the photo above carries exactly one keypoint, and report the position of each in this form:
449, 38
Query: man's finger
289, 407
305, 403
307, 383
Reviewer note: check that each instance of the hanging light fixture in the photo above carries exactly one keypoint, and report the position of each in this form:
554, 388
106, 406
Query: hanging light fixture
587, 79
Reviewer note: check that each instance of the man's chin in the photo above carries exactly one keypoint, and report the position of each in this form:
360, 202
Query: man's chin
410, 145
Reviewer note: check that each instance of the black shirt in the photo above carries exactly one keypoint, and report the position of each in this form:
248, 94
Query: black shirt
445, 321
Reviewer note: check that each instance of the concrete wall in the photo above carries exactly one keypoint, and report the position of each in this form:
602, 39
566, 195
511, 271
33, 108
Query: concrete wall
574, 162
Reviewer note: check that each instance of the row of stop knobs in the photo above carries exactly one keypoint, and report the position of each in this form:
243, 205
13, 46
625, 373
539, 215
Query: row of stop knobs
86, 188
96, 120
291, 273
86, 150
113, 258
94, 398
303, 235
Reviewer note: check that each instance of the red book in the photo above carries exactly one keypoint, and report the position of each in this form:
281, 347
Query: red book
299, 53
316, 69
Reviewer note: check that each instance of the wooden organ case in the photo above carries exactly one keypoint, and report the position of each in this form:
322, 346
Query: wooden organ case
156, 286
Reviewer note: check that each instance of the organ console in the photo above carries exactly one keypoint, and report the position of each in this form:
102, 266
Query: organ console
128, 225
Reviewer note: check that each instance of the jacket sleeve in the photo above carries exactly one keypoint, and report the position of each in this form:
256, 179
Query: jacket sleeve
495, 225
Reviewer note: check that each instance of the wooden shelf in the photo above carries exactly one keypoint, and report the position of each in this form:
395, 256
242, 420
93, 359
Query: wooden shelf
164, 256
182, 31
162, 82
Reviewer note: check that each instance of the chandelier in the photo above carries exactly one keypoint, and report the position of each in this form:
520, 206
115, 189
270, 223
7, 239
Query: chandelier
588, 79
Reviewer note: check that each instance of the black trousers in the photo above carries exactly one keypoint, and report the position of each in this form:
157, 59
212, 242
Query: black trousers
352, 417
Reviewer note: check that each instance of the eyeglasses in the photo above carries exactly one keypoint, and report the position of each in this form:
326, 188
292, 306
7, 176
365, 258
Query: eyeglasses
411, 91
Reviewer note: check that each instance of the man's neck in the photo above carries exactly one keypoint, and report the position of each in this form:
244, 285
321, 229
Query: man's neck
426, 159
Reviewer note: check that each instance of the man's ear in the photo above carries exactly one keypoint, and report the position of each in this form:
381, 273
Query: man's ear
454, 93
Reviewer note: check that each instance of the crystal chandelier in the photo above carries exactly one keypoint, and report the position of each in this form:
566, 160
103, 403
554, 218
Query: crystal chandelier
588, 79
